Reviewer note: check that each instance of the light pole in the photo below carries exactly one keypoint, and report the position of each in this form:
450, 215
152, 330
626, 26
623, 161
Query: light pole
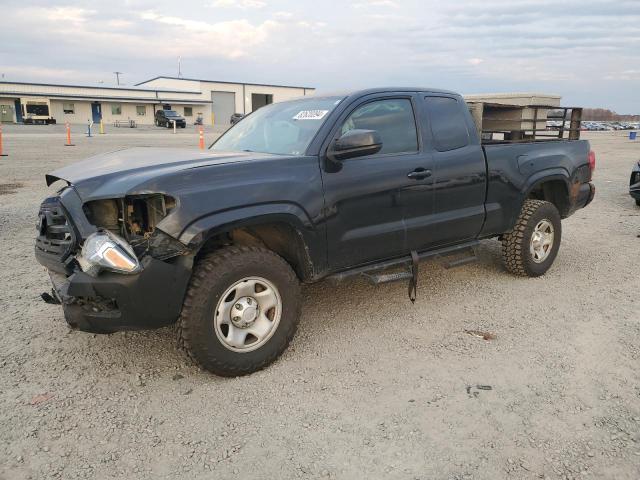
118, 77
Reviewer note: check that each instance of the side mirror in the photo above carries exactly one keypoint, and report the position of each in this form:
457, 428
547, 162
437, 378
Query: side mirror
355, 143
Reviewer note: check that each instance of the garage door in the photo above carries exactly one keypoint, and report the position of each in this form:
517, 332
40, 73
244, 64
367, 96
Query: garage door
224, 105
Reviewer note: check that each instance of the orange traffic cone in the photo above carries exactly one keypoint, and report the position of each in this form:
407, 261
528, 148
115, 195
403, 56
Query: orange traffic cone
68, 144
1, 152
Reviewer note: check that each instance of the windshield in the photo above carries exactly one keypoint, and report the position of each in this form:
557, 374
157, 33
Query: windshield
284, 128
170, 113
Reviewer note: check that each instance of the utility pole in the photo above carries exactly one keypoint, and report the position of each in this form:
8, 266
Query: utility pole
179, 69
118, 77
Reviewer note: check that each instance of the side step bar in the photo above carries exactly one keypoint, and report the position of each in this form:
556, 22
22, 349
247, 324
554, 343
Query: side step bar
406, 261
461, 261
387, 277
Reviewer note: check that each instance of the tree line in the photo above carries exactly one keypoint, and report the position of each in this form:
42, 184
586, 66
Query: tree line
598, 114
604, 114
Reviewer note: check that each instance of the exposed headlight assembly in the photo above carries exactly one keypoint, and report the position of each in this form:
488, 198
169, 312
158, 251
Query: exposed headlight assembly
106, 251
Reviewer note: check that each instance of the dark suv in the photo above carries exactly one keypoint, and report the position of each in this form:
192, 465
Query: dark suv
165, 118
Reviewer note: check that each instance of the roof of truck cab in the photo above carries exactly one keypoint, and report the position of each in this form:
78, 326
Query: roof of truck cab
371, 91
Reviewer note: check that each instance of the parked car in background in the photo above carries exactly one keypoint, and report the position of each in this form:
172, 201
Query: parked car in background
634, 183
165, 118
236, 117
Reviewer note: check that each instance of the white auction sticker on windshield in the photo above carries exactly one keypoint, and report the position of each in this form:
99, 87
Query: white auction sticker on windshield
310, 114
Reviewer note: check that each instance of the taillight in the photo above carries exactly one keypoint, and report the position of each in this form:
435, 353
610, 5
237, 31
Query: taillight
592, 160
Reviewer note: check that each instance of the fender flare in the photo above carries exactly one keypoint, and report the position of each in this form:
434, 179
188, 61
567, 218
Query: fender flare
543, 176
549, 175
291, 214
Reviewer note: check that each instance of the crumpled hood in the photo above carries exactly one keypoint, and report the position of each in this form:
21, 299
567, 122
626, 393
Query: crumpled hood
118, 173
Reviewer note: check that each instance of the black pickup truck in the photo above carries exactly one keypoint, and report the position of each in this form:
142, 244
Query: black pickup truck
219, 241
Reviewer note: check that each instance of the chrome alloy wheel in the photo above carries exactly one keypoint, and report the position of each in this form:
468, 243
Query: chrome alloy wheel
541, 241
248, 314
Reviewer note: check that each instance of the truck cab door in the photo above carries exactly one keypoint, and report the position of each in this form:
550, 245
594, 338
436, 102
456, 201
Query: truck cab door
459, 172
367, 198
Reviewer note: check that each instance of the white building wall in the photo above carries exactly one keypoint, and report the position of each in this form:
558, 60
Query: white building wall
82, 111
151, 93
195, 110
128, 112
244, 105
242, 95
280, 94
9, 104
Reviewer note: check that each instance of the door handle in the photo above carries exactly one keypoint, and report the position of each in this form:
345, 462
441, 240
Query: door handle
419, 174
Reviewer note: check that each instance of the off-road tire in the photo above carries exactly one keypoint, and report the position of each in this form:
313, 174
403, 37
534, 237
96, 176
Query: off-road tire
212, 275
515, 244
638, 202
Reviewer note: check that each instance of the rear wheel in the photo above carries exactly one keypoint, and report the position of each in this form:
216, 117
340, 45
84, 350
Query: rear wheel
241, 310
531, 247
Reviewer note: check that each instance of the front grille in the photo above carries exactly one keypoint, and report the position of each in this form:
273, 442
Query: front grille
55, 235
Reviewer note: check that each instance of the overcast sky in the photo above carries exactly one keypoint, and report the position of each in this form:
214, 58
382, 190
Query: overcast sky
588, 51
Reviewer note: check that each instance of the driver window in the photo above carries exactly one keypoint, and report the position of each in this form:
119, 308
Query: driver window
393, 119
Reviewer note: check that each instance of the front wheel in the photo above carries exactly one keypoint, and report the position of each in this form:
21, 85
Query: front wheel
241, 310
638, 202
530, 248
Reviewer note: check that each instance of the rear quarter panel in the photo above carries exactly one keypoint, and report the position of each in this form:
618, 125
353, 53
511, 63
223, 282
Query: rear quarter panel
515, 169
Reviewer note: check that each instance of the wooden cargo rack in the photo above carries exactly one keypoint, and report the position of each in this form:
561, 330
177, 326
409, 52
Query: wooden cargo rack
508, 123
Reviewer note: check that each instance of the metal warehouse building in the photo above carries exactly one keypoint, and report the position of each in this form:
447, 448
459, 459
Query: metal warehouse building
214, 101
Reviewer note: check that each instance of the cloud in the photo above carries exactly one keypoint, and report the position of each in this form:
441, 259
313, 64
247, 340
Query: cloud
587, 50
58, 74
376, 3
242, 4
231, 39
68, 14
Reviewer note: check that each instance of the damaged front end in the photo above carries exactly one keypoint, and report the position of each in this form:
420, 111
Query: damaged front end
111, 265
135, 219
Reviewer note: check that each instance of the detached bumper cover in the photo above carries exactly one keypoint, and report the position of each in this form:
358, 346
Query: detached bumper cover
112, 302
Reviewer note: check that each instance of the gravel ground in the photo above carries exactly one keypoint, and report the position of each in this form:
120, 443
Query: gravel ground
371, 387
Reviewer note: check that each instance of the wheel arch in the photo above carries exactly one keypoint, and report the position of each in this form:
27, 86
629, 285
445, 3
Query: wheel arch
553, 186
285, 233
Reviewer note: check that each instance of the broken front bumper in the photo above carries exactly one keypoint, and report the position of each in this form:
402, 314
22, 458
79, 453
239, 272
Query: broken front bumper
109, 301
112, 302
